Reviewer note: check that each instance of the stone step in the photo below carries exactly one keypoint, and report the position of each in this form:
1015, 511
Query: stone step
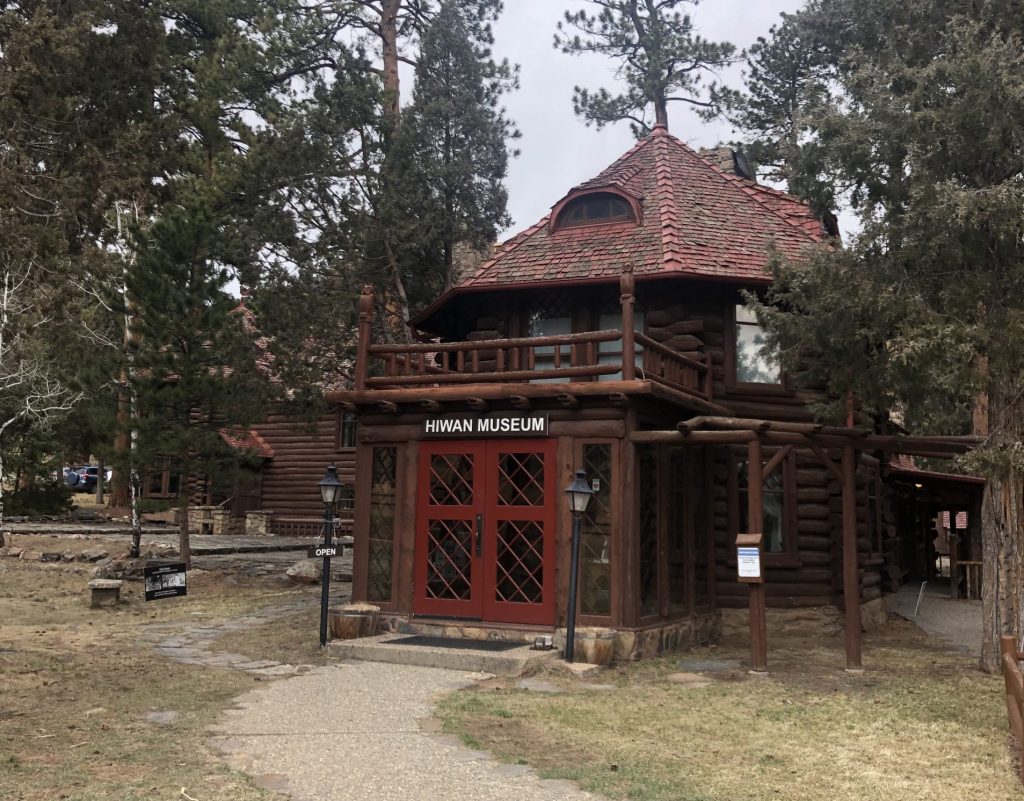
514, 662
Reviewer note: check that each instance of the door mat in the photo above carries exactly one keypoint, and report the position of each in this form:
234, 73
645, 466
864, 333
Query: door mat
457, 642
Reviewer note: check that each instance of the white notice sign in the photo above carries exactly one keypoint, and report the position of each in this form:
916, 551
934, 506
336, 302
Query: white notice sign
748, 562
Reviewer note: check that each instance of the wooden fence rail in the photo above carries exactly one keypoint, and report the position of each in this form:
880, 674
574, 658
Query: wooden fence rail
1014, 680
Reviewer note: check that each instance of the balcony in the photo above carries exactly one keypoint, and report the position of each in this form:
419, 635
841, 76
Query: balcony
593, 356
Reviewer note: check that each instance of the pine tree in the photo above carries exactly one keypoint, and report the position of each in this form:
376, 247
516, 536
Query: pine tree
661, 59
922, 312
195, 370
451, 159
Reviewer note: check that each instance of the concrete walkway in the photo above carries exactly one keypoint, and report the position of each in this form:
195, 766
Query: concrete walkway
357, 731
956, 622
352, 732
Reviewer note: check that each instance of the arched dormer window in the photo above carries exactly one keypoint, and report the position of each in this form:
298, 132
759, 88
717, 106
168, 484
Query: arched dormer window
594, 208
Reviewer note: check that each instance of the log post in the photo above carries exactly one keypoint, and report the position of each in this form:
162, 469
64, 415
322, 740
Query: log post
755, 525
627, 289
365, 332
709, 381
851, 587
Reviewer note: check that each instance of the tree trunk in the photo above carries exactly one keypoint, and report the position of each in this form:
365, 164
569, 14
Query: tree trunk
1002, 535
389, 55
1, 498
184, 543
100, 483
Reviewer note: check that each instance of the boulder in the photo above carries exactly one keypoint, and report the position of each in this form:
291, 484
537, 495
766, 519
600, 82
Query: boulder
93, 555
306, 571
51, 556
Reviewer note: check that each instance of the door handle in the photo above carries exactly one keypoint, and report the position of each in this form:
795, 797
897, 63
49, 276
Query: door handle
479, 535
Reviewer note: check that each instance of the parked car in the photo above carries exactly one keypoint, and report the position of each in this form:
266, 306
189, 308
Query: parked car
83, 479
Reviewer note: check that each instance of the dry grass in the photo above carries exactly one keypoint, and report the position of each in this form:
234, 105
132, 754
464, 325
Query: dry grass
919, 724
76, 684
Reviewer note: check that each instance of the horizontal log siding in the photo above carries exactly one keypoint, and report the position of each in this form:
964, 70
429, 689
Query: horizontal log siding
300, 458
817, 579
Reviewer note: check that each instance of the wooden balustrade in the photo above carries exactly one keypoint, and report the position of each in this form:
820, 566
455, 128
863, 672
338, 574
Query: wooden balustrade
673, 369
566, 357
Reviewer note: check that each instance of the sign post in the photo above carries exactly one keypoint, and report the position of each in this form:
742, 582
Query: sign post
750, 571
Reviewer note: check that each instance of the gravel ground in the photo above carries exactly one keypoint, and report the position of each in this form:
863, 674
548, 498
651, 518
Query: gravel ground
352, 732
956, 622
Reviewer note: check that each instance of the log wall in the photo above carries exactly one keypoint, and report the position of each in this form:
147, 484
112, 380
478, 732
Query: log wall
300, 458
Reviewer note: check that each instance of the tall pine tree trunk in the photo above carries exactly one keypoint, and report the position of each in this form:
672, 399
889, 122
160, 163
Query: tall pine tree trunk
1002, 532
2, 541
184, 542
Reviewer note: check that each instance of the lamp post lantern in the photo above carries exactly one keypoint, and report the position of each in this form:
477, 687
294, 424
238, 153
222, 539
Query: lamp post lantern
330, 493
578, 493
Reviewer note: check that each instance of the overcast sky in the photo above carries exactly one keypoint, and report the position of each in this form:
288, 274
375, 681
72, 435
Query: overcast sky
558, 150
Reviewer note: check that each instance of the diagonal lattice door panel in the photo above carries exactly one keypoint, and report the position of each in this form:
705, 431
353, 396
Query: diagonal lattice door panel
521, 479
451, 479
449, 560
520, 562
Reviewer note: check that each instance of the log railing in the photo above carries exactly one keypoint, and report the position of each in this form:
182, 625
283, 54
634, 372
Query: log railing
673, 369
588, 356
1014, 681
565, 357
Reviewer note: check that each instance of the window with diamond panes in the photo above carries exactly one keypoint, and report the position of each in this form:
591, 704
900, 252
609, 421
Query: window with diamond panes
596, 534
451, 479
382, 523
648, 499
520, 562
449, 560
678, 600
521, 479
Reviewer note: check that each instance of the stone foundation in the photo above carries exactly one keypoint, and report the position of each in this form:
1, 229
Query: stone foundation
630, 644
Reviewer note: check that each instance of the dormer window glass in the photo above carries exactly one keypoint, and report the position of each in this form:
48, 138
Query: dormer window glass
756, 363
595, 209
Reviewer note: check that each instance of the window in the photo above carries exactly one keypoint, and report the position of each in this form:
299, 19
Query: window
611, 352
601, 207
755, 362
544, 355
383, 491
649, 552
346, 430
596, 533
774, 501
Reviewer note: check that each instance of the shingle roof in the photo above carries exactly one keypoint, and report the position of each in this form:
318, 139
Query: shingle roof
696, 220
247, 439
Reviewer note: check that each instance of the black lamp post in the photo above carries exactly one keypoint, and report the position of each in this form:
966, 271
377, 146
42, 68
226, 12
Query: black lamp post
578, 493
330, 493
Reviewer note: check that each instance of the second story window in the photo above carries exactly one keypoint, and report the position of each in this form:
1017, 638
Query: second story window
755, 362
544, 355
346, 430
611, 352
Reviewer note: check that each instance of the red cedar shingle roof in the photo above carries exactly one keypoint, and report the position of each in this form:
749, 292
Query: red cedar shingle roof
696, 221
247, 440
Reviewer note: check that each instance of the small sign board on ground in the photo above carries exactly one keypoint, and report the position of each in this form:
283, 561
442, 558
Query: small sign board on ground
165, 580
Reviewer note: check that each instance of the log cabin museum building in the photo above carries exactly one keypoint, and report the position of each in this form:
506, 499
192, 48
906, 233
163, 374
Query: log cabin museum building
612, 336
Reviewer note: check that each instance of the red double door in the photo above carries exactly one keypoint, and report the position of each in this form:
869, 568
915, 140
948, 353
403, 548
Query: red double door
485, 531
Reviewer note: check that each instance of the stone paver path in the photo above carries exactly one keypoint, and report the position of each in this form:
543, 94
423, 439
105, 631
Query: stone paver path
352, 732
